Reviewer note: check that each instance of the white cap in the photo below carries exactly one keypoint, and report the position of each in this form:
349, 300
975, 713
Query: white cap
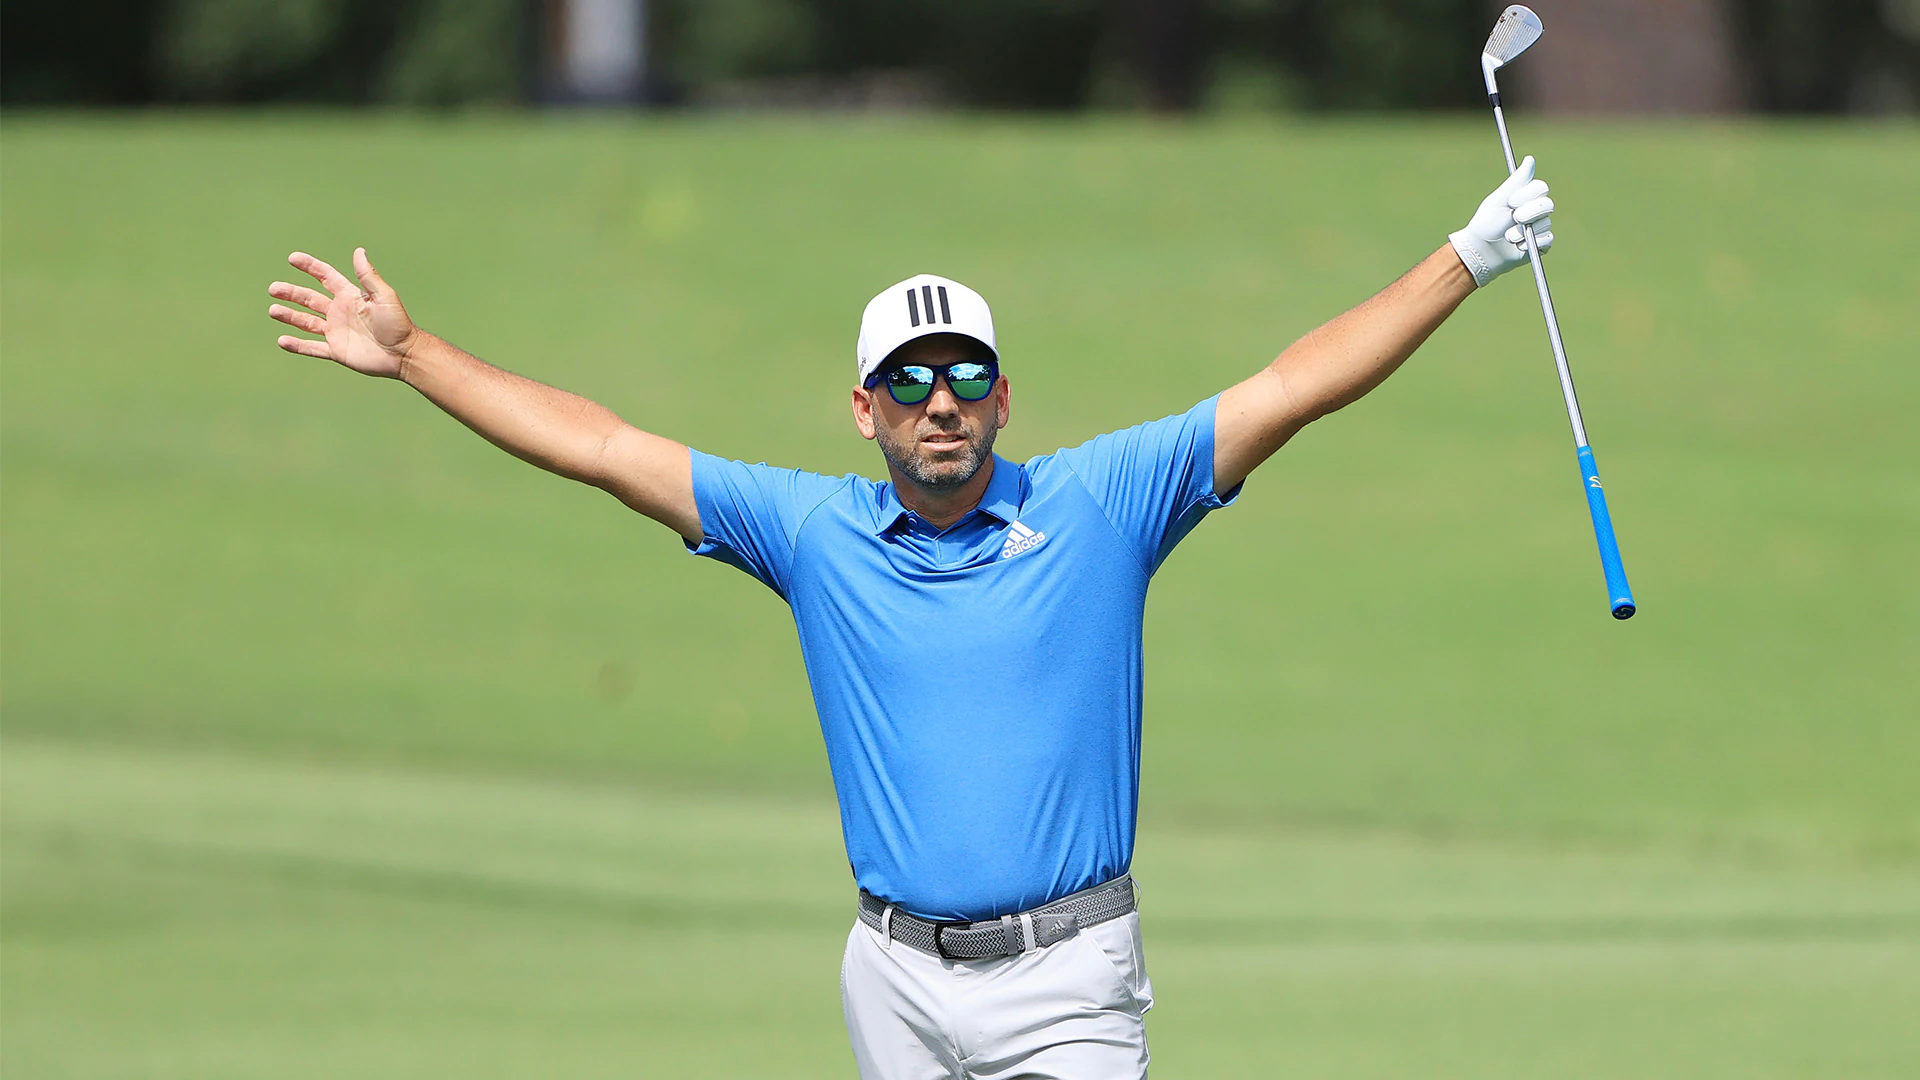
921, 305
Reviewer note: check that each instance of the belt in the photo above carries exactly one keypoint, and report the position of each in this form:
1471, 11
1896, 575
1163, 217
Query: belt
1007, 935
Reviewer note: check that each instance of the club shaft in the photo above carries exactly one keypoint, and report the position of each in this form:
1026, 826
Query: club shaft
1619, 595
1546, 303
1506, 144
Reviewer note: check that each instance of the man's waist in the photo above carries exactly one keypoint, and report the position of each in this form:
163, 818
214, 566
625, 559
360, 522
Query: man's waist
1024, 931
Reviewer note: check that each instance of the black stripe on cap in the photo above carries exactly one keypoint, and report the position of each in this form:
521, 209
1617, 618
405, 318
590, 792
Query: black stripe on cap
927, 291
913, 306
946, 316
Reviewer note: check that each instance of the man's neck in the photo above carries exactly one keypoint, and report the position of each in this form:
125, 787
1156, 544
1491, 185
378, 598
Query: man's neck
941, 507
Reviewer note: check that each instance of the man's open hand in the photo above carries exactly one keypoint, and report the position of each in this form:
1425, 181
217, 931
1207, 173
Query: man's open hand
365, 327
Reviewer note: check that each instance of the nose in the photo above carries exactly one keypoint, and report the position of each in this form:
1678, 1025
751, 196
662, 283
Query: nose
943, 401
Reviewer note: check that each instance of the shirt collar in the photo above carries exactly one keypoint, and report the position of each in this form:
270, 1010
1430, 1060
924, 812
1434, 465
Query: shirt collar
1002, 497
1001, 500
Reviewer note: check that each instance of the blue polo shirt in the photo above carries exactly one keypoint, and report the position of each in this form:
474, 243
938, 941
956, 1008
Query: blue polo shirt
979, 685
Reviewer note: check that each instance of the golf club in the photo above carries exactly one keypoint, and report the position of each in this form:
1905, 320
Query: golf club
1515, 32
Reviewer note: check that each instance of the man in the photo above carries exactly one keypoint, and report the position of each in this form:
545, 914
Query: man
971, 628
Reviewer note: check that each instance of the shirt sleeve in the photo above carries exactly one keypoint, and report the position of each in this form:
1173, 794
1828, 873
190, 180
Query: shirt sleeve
1154, 481
749, 514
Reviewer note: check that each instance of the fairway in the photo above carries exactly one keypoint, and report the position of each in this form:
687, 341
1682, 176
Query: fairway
339, 743
203, 914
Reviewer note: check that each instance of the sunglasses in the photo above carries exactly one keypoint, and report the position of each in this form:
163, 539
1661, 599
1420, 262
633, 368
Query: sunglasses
912, 384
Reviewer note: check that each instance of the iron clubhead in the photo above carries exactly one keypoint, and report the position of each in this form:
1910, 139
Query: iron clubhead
1514, 33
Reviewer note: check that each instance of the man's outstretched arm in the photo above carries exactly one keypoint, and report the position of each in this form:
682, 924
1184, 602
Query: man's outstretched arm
1337, 364
366, 329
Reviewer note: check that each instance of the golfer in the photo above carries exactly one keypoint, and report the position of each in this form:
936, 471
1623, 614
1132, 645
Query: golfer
970, 627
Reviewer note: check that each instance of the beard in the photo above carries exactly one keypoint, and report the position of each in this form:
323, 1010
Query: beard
938, 469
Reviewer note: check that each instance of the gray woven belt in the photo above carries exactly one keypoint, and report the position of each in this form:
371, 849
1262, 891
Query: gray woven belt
1006, 935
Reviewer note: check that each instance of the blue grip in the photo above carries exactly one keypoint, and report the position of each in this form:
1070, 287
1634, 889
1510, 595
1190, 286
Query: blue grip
1619, 597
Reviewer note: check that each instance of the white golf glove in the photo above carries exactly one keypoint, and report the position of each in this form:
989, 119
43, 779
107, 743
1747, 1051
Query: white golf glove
1493, 243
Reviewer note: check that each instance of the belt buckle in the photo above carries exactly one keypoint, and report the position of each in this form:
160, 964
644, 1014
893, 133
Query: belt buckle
940, 946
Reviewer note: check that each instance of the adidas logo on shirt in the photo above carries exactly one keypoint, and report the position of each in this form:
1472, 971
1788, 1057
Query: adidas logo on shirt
1020, 539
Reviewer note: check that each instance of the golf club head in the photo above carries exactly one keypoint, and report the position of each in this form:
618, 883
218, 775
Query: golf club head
1515, 32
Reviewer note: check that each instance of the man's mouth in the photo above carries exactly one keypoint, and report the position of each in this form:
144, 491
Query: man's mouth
944, 440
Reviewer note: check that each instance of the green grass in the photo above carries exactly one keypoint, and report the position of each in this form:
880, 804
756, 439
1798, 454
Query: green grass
339, 743
204, 914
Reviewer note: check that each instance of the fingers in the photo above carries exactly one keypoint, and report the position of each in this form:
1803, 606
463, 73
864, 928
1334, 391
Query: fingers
299, 294
1517, 235
1526, 193
370, 278
305, 346
335, 281
1543, 240
299, 320
1529, 212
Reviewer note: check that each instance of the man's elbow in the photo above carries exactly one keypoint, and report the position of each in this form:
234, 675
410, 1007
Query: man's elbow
603, 467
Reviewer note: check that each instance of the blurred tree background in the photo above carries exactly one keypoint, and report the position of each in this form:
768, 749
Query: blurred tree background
1780, 55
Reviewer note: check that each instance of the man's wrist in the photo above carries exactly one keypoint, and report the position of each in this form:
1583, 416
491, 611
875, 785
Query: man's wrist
1473, 258
415, 351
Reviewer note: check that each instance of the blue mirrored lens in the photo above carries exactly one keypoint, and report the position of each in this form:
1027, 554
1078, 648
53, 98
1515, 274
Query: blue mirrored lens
970, 382
910, 385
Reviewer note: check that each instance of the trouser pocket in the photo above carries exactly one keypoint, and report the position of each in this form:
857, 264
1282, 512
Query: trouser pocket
1119, 945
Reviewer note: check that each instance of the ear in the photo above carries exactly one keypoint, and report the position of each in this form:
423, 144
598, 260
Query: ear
1002, 401
863, 411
